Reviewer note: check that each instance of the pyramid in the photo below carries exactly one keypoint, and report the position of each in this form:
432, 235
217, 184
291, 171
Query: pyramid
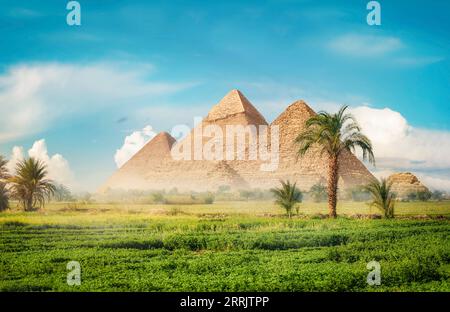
154, 168
153, 155
405, 183
235, 104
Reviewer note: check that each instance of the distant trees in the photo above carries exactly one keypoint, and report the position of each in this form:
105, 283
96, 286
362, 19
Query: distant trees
30, 185
318, 193
287, 196
158, 198
246, 194
333, 133
62, 193
382, 197
437, 195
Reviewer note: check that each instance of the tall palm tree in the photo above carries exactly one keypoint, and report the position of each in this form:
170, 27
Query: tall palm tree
382, 197
334, 133
287, 196
3, 170
4, 197
30, 185
4, 175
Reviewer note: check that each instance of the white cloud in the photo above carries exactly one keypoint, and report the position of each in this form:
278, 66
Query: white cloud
16, 156
32, 96
435, 183
132, 144
365, 45
399, 146
58, 167
418, 60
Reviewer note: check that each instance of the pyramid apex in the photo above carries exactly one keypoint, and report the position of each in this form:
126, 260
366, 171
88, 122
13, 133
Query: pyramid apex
163, 134
234, 102
299, 111
301, 106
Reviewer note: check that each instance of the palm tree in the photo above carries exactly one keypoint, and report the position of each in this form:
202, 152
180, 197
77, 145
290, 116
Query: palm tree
4, 197
62, 193
382, 197
3, 170
287, 196
29, 185
4, 193
334, 133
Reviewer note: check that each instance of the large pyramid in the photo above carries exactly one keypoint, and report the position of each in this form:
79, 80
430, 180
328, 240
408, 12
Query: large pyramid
154, 167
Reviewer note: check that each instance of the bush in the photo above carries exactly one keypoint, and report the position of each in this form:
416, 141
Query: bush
421, 196
424, 195
437, 195
209, 199
318, 193
158, 198
359, 194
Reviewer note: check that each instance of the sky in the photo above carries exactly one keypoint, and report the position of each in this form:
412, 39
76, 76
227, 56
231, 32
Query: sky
85, 98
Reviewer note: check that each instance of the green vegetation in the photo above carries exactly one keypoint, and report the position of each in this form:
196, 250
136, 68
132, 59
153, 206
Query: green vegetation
382, 197
4, 192
4, 197
334, 133
62, 193
30, 185
287, 196
232, 246
318, 193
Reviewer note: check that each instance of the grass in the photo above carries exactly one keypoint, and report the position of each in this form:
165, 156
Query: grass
240, 246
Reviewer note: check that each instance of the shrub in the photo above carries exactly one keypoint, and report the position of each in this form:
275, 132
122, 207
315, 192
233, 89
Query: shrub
158, 198
209, 199
287, 196
424, 195
437, 195
359, 194
382, 197
318, 193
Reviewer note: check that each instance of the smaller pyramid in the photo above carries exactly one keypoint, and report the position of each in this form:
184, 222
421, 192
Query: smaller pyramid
154, 154
223, 174
405, 183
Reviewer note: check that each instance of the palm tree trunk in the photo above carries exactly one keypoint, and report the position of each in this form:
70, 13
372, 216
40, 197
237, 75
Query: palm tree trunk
333, 168
29, 204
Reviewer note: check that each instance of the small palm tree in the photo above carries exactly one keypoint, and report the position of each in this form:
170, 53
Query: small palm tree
334, 133
4, 197
287, 196
382, 197
29, 185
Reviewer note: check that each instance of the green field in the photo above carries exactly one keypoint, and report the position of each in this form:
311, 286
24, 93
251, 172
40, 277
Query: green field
228, 246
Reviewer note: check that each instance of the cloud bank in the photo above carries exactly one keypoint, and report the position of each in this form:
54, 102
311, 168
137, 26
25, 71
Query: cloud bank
35, 95
132, 144
398, 146
58, 167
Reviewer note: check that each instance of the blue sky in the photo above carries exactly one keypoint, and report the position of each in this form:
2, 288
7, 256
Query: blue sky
130, 64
